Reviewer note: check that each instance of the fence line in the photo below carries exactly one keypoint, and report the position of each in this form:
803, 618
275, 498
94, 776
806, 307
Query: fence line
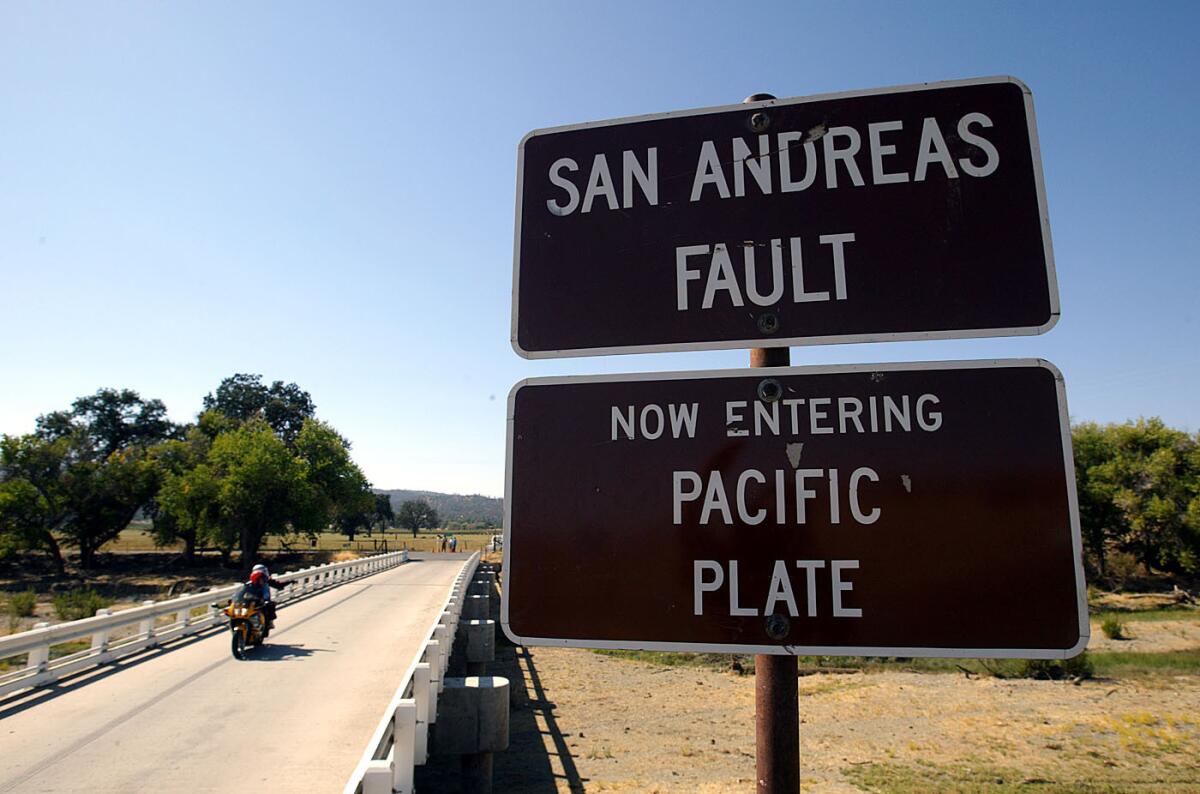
40, 669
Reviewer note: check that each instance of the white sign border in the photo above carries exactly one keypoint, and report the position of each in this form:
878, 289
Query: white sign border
802, 341
812, 650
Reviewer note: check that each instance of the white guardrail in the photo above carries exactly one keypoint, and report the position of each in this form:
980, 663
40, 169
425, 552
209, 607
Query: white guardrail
114, 635
401, 741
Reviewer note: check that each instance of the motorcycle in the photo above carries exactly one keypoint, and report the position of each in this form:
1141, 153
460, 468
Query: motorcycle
247, 622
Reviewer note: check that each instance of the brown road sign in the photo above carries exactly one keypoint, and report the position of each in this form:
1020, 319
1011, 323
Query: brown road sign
903, 213
893, 509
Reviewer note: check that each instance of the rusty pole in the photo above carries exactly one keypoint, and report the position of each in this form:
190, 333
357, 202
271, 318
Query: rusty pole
776, 698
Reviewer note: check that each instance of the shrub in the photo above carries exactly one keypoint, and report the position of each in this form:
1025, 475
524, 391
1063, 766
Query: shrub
79, 604
1124, 569
1113, 628
1057, 669
21, 604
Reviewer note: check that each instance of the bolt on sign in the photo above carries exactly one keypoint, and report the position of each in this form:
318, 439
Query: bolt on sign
916, 212
893, 509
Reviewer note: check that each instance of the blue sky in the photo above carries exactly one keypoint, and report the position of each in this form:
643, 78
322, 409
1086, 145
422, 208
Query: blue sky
323, 193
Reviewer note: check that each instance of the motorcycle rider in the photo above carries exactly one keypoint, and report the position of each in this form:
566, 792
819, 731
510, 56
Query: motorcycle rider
261, 583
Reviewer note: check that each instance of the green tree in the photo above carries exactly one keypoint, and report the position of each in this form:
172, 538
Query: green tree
1139, 489
190, 510
342, 490
356, 513
185, 506
110, 420
1101, 522
34, 503
212, 423
22, 518
106, 476
104, 495
416, 514
284, 406
383, 516
262, 487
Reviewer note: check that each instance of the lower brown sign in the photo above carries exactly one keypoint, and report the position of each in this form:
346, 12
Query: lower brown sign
894, 509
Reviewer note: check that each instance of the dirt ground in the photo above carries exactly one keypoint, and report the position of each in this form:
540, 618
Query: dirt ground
607, 724
583, 722
1145, 636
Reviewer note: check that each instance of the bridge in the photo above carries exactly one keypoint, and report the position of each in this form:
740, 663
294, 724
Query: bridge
358, 649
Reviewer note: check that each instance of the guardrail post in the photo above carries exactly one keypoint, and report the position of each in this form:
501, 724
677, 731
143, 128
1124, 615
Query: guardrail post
39, 657
377, 779
210, 613
445, 638
404, 734
421, 696
433, 656
184, 618
100, 636
146, 627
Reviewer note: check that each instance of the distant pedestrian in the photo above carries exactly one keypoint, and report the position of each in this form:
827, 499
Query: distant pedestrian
443, 539
453, 543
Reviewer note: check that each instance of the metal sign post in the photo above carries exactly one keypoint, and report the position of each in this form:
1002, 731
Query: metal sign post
776, 697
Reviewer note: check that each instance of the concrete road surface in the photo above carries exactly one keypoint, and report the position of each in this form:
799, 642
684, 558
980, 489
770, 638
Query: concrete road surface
295, 717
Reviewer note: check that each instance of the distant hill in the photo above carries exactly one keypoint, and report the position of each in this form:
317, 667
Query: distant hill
469, 509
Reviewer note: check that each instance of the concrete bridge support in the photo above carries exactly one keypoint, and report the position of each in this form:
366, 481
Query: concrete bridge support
474, 725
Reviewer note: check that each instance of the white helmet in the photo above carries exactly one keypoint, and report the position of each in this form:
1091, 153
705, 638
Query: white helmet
259, 567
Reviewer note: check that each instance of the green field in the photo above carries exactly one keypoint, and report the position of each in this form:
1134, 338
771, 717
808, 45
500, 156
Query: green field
138, 539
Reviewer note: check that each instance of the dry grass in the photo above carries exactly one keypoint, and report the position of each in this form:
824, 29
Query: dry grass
689, 729
138, 539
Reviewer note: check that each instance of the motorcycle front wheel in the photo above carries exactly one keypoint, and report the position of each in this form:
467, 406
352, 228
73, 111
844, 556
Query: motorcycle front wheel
238, 642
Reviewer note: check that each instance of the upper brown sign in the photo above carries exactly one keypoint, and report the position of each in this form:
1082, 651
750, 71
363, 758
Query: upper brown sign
896, 509
904, 213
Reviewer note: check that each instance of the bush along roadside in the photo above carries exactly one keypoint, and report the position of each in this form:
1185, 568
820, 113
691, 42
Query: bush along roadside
20, 605
79, 604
